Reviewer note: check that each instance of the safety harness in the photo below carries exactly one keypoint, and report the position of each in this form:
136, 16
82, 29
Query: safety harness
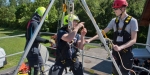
124, 34
62, 54
65, 61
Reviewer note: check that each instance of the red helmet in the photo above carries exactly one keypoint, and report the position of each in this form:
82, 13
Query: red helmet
119, 3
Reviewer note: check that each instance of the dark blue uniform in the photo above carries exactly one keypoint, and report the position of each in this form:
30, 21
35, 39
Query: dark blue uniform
34, 57
66, 55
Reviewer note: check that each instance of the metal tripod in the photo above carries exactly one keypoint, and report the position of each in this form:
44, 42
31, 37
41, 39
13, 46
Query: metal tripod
87, 10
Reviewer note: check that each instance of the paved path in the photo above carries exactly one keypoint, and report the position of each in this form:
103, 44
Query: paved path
104, 67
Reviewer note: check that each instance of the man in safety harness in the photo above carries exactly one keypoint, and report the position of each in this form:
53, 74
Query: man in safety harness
68, 42
34, 57
125, 35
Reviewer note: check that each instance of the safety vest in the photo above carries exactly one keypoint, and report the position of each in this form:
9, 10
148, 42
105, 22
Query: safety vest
124, 35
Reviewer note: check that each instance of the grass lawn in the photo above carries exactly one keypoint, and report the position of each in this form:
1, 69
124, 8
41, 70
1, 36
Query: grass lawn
16, 44
13, 45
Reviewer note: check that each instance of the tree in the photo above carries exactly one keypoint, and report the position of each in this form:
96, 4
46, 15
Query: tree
3, 3
19, 12
22, 1
13, 2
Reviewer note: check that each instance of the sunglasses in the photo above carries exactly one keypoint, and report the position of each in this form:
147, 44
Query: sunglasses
115, 8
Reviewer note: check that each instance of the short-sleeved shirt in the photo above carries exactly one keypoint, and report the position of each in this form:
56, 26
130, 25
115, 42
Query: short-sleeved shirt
132, 26
63, 45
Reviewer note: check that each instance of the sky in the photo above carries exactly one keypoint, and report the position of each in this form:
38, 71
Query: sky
8, 1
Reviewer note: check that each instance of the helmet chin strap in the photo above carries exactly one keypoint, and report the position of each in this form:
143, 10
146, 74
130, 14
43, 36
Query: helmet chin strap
121, 13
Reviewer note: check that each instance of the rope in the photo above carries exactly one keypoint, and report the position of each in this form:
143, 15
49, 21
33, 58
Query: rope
110, 46
64, 9
124, 66
103, 32
59, 15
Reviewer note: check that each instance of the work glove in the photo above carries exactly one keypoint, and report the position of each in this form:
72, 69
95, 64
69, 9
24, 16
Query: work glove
47, 41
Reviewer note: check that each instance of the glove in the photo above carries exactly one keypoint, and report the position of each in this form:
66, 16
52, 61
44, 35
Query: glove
47, 41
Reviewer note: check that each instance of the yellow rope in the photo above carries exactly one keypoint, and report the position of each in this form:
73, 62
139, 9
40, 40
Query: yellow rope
64, 7
110, 45
103, 32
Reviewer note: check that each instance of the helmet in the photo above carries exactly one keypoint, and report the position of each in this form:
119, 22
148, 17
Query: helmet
74, 17
119, 3
40, 11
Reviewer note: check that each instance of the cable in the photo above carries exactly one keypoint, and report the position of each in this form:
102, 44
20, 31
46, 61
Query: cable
82, 5
64, 9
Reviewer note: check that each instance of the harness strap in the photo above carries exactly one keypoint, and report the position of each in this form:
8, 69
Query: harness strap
27, 33
62, 56
126, 22
28, 24
117, 23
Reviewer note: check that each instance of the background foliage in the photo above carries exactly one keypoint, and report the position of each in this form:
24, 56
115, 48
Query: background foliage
16, 13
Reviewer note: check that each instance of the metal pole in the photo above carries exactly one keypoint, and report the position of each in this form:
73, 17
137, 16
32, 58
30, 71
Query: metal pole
12, 36
142, 68
142, 44
82, 58
100, 35
12, 54
33, 38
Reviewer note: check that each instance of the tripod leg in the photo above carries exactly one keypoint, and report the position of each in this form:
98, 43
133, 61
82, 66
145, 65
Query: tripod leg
33, 38
100, 34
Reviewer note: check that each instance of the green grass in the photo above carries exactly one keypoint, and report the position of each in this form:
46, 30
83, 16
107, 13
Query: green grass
13, 45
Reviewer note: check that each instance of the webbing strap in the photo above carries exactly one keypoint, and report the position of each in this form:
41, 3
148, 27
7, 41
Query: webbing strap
126, 22
27, 33
28, 24
117, 23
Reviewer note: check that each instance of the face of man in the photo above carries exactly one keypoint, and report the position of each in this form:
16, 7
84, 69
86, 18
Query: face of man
118, 11
75, 23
